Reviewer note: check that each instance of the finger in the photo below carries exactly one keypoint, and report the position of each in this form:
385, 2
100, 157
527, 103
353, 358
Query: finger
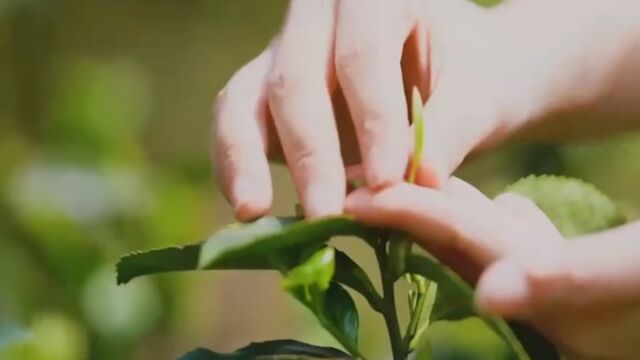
459, 217
369, 41
300, 100
455, 122
240, 140
503, 291
586, 272
459, 111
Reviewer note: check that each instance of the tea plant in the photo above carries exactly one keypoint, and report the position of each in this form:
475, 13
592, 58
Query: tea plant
316, 273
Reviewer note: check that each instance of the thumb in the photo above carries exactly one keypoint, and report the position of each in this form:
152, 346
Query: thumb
588, 272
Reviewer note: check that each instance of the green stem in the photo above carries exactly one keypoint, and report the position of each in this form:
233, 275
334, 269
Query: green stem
416, 313
389, 310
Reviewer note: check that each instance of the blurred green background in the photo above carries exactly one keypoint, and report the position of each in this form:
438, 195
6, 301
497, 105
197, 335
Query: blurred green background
104, 143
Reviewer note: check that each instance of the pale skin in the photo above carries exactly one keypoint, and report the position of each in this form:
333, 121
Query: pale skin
330, 92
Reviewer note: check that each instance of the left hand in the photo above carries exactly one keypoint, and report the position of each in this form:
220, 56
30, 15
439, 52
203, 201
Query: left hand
583, 294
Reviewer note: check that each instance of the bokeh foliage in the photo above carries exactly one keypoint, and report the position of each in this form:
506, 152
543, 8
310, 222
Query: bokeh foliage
104, 122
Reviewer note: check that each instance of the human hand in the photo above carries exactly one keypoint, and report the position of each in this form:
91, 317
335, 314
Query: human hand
330, 88
584, 294
288, 101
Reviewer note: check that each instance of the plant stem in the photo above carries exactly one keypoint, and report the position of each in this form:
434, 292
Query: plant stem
416, 313
389, 310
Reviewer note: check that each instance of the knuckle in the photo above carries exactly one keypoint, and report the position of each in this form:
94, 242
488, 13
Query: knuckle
279, 84
303, 159
349, 58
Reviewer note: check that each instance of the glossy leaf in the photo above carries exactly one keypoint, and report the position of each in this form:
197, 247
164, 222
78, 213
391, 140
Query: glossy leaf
139, 263
269, 243
331, 304
246, 244
352, 275
341, 312
271, 350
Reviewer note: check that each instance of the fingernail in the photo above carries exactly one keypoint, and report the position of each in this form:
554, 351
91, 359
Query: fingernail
323, 199
503, 290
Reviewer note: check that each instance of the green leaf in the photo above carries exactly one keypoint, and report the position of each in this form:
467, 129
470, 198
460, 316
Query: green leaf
455, 301
267, 244
179, 258
310, 283
314, 275
341, 313
336, 311
271, 350
352, 275
246, 244
418, 133
574, 206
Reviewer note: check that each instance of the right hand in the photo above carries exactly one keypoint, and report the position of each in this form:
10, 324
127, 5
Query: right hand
583, 294
330, 91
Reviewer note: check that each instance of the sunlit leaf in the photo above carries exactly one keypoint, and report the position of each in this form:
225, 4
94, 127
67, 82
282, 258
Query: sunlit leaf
267, 244
418, 131
312, 276
245, 244
574, 206
310, 283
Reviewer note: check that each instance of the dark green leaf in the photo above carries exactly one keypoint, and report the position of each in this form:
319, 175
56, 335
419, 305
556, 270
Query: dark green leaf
349, 273
185, 258
341, 312
157, 261
399, 246
269, 243
270, 350
536, 344
245, 244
